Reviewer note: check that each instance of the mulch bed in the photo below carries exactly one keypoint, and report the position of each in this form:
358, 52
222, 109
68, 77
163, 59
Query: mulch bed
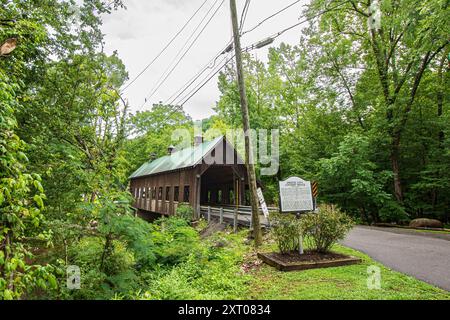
308, 260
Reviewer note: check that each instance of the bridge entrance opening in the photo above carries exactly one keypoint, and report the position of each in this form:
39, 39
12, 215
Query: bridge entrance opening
222, 186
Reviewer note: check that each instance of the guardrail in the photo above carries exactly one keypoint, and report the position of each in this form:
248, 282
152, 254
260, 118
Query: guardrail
238, 215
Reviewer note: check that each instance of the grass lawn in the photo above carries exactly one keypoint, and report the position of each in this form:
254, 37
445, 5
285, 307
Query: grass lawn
347, 282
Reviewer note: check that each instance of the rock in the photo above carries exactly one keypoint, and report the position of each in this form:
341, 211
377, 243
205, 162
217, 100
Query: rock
426, 223
221, 243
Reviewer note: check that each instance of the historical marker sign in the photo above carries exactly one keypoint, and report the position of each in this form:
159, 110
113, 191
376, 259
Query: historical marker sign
296, 195
262, 203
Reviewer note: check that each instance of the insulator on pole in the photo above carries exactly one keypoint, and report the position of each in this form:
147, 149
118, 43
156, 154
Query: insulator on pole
228, 49
264, 43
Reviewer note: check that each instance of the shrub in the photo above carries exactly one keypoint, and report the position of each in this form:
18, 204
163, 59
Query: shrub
286, 231
185, 211
135, 233
208, 273
117, 276
173, 240
88, 251
325, 227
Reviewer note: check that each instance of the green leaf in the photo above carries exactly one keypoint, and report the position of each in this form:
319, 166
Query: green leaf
38, 201
7, 294
38, 186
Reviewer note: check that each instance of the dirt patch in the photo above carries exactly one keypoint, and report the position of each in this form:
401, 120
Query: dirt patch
211, 229
308, 260
251, 263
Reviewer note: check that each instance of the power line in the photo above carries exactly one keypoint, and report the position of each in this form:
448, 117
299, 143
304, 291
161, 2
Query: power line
162, 80
277, 34
244, 15
214, 71
205, 82
213, 60
168, 70
210, 76
265, 42
256, 45
210, 65
271, 16
178, 107
166, 46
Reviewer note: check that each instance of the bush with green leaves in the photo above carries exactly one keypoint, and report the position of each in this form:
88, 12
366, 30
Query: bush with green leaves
286, 231
174, 239
185, 211
101, 282
325, 227
210, 272
136, 234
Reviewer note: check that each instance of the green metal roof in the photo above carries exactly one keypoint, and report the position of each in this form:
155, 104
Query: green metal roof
185, 158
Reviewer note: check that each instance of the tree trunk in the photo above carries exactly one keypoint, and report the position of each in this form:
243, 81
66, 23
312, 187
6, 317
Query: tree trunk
106, 251
440, 96
395, 157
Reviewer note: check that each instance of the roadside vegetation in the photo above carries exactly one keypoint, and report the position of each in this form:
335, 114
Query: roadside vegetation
224, 266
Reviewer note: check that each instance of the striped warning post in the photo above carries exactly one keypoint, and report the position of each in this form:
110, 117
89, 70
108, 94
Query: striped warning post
315, 189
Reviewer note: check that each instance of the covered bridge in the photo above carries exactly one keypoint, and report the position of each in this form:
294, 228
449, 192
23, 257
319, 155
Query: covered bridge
207, 173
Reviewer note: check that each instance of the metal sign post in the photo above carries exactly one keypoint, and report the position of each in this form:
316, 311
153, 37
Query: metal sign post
300, 238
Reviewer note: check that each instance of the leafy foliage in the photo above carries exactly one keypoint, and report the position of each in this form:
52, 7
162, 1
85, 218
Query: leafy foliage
359, 109
286, 230
325, 228
210, 272
185, 211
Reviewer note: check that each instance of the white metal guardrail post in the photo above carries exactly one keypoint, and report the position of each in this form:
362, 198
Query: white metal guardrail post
209, 214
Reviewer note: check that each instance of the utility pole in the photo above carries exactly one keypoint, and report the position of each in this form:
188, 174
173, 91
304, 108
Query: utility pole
246, 123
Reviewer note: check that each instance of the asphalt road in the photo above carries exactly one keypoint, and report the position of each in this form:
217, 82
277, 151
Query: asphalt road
418, 254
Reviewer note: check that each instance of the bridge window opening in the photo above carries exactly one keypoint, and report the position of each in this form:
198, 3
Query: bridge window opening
219, 196
167, 193
231, 197
176, 193
186, 194
247, 197
160, 190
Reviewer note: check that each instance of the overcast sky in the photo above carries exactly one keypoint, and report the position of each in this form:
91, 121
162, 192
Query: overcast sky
140, 32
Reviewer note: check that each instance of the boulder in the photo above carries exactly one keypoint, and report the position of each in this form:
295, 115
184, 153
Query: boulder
425, 223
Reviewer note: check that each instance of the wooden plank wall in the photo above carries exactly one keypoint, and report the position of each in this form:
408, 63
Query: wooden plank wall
146, 202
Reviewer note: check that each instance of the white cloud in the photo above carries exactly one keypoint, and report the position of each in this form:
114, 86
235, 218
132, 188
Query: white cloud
141, 31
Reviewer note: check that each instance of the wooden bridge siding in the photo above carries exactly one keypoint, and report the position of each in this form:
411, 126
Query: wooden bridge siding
180, 178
